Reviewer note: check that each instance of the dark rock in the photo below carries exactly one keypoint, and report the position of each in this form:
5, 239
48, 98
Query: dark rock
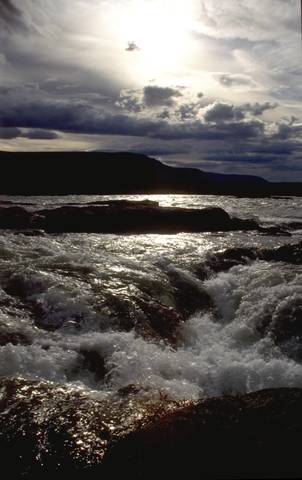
30, 233
249, 436
285, 327
49, 430
282, 322
293, 225
26, 289
14, 337
150, 318
189, 295
93, 362
291, 253
135, 307
281, 198
159, 321
15, 218
133, 219
10, 202
231, 257
123, 203
23, 285
123, 217
223, 261
280, 231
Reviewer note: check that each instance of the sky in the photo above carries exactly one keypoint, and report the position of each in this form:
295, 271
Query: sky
211, 84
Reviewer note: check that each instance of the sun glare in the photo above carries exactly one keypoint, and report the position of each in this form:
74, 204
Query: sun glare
160, 30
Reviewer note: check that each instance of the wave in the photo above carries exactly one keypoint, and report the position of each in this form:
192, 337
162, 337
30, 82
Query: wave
249, 340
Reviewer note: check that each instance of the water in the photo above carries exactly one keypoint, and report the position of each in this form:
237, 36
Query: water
88, 310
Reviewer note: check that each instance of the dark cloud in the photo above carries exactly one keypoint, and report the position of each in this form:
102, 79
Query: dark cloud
288, 128
154, 96
130, 101
188, 111
247, 157
223, 112
151, 96
40, 135
132, 47
221, 133
258, 109
9, 133
233, 80
82, 117
159, 150
10, 15
77, 117
164, 115
219, 112
36, 134
199, 130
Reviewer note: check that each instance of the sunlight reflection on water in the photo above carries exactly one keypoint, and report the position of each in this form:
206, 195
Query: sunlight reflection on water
269, 210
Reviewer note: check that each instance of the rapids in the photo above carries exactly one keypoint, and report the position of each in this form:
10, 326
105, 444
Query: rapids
102, 312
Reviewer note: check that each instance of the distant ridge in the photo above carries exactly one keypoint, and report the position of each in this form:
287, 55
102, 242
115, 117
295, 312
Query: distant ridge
59, 173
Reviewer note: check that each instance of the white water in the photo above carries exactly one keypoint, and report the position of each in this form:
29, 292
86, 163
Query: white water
65, 276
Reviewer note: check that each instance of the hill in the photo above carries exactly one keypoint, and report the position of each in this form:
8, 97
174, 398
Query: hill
57, 173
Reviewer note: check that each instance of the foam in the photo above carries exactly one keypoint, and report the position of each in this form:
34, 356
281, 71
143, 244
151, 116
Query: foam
215, 354
210, 360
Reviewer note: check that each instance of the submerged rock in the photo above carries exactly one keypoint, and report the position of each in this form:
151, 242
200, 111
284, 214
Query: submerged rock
48, 430
284, 326
282, 321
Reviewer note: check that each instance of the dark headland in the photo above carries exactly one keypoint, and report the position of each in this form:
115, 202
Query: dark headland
59, 173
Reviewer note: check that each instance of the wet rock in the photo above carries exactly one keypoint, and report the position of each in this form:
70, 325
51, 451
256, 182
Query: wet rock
128, 309
159, 322
124, 203
285, 327
93, 362
23, 285
286, 332
14, 337
249, 436
30, 233
189, 295
275, 231
48, 430
123, 217
223, 261
150, 318
135, 219
15, 218
291, 253
293, 225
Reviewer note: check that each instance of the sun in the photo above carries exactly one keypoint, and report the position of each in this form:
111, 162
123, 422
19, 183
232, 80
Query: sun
158, 33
